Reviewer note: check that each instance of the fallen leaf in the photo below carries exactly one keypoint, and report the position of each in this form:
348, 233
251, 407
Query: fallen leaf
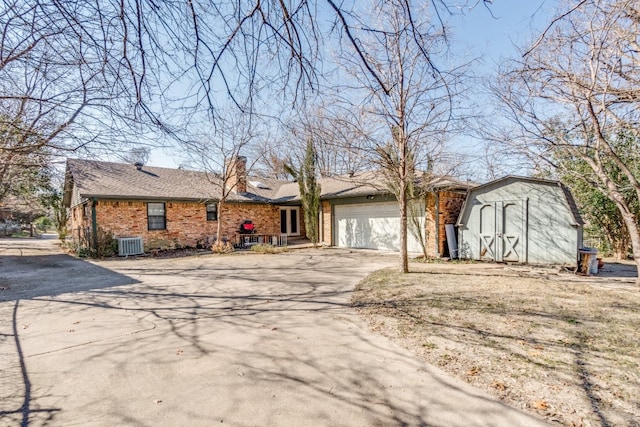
71, 330
179, 352
76, 322
157, 401
499, 385
274, 329
25, 326
541, 404
473, 371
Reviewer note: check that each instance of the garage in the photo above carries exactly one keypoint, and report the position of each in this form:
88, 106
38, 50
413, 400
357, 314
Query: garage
371, 226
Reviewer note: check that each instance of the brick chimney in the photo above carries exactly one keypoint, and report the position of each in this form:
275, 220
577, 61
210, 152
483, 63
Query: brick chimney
237, 172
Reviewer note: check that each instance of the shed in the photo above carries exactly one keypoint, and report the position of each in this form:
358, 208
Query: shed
520, 219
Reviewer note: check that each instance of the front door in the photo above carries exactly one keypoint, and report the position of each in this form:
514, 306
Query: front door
290, 221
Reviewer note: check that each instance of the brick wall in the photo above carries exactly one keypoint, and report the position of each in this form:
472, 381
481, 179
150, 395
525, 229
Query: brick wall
266, 218
449, 206
186, 222
79, 221
302, 226
326, 223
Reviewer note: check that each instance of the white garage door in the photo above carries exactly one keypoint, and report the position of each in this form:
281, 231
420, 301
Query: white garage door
371, 226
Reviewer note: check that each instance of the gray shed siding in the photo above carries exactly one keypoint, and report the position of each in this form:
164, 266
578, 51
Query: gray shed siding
533, 223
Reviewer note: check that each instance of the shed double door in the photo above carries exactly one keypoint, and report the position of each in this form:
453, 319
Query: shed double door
503, 234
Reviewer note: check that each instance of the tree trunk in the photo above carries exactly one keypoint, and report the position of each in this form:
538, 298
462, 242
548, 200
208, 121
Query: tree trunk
634, 234
422, 238
628, 217
402, 204
417, 223
632, 227
219, 226
621, 247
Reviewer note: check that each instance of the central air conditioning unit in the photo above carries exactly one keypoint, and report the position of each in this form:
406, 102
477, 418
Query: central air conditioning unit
130, 246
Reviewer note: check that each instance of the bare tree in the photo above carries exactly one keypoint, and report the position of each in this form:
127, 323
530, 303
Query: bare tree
573, 92
407, 101
62, 87
337, 144
23, 163
77, 73
80, 73
136, 155
604, 220
220, 153
221, 49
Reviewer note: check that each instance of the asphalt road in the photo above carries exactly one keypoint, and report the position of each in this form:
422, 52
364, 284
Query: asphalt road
240, 340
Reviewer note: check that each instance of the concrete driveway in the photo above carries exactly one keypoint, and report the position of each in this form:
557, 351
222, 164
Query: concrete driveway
240, 340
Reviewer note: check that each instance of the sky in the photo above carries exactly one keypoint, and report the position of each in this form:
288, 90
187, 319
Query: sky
486, 34
492, 35
493, 32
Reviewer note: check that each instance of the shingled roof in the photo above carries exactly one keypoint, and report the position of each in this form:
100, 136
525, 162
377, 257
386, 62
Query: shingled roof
369, 182
107, 180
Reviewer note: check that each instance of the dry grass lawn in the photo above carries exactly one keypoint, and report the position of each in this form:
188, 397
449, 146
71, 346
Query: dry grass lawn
563, 348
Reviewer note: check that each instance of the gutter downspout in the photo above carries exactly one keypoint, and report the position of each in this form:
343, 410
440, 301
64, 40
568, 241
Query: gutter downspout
333, 227
94, 223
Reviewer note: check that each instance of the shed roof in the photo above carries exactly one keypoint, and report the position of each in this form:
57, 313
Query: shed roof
568, 197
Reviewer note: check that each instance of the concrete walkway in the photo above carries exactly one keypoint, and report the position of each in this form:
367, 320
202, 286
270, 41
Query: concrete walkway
240, 340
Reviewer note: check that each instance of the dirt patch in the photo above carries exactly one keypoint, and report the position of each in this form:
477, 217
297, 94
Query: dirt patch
553, 344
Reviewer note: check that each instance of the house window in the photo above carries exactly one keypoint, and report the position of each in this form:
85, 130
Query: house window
156, 219
212, 211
